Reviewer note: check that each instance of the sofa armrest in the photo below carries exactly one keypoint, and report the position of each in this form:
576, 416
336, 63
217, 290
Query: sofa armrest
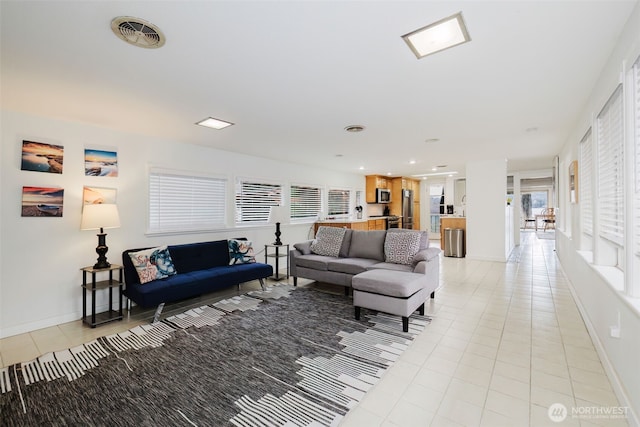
426, 255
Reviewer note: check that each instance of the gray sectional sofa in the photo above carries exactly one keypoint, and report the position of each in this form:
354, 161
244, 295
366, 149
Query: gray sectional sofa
335, 257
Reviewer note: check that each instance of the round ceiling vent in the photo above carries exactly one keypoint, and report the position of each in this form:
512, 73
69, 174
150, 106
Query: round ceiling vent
138, 32
354, 128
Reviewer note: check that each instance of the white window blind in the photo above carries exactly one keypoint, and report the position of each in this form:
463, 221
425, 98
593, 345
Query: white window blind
586, 186
254, 200
339, 202
306, 202
636, 103
611, 169
182, 202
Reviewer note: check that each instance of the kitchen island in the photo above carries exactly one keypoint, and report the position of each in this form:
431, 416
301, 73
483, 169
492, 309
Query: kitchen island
453, 222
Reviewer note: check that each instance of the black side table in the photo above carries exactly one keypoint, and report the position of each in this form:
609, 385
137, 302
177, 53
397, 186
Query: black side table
96, 319
275, 251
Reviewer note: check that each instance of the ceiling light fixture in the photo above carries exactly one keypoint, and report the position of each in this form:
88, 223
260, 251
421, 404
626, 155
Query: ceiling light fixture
212, 123
431, 140
354, 128
435, 174
441, 35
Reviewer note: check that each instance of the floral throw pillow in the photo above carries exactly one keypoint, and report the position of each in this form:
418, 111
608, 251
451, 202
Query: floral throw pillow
400, 248
328, 241
240, 252
152, 264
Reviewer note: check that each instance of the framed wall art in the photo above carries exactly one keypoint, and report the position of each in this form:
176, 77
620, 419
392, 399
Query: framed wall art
573, 181
100, 162
41, 157
97, 195
42, 201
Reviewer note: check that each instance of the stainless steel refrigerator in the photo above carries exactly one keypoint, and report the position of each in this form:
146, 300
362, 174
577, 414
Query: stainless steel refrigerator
407, 209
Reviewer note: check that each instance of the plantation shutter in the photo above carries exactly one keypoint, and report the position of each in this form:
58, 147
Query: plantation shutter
254, 201
339, 202
306, 202
183, 202
586, 185
611, 169
636, 96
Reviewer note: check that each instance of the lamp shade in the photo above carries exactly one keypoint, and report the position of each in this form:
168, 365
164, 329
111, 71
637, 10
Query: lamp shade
103, 215
279, 214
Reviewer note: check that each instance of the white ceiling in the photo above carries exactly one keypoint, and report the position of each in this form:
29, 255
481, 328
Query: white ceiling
292, 75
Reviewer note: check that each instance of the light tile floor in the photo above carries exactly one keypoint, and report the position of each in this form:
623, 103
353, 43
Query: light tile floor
506, 342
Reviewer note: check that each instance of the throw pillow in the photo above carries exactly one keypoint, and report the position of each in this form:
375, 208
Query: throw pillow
152, 264
328, 241
241, 252
400, 248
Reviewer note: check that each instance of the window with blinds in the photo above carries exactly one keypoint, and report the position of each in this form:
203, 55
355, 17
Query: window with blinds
180, 202
254, 200
611, 169
306, 202
338, 202
586, 186
636, 113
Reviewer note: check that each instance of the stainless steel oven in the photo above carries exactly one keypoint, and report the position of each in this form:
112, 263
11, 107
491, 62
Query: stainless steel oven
393, 221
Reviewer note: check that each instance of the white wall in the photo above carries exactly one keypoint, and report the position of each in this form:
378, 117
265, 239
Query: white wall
597, 291
41, 257
486, 201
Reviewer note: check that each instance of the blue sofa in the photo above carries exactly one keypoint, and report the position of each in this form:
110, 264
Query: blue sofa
200, 268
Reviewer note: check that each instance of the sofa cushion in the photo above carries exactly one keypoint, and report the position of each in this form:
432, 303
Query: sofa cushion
424, 235
240, 252
316, 262
391, 266
367, 244
152, 264
350, 265
328, 241
304, 247
400, 248
346, 243
388, 282
200, 256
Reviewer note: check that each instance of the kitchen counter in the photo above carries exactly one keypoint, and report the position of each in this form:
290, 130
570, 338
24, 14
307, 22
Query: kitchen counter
354, 224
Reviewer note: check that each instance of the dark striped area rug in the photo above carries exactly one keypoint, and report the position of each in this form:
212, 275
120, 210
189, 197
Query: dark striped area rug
281, 357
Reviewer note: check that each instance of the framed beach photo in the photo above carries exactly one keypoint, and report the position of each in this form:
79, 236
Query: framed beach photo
42, 201
100, 162
41, 157
97, 195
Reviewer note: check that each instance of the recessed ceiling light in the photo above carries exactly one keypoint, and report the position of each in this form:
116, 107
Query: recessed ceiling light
412, 162
354, 128
212, 123
389, 173
435, 168
361, 168
431, 140
441, 35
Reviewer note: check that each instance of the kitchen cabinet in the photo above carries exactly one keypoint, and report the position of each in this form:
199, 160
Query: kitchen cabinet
353, 225
377, 224
372, 183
